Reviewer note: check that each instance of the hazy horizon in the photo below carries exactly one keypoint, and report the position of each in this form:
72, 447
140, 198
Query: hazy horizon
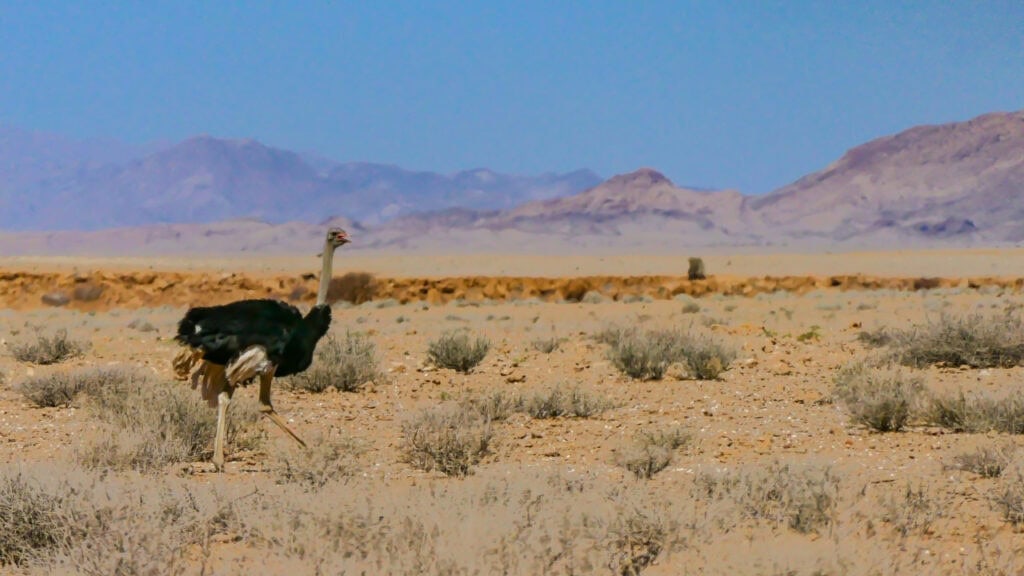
748, 96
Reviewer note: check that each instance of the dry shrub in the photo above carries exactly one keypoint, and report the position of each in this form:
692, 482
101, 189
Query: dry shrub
324, 461
47, 349
347, 365
546, 345
95, 527
876, 338
495, 406
557, 402
635, 542
454, 350
554, 402
986, 461
449, 439
804, 498
646, 355
977, 412
61, 388
1008, 498
354, 287
152, 424
652, 452
883, 399
976, 341
910, 511
87, 292
33, 522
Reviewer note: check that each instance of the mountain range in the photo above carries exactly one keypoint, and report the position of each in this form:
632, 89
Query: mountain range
956, 184
51, 183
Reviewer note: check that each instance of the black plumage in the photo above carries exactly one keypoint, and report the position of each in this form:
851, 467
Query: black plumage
224, 332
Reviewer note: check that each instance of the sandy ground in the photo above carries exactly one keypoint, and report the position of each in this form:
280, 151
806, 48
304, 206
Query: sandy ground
773, 406
940, 263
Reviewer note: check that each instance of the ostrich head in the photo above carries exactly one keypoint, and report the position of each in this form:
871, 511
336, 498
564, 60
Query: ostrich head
337, 237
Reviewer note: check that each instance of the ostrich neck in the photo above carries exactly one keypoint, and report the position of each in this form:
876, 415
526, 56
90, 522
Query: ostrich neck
325, 274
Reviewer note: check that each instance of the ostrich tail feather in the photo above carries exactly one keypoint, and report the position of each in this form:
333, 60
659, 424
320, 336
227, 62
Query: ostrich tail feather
185, 361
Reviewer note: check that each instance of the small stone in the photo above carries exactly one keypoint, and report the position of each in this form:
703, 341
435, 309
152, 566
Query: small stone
55, 299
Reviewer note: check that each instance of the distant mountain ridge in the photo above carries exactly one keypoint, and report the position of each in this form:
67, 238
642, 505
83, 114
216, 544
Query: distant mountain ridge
957, 184
48, 183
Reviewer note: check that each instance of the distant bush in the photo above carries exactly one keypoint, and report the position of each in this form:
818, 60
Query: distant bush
696, 270
346, 365
354, 287
454, 350
449, 439
47, 349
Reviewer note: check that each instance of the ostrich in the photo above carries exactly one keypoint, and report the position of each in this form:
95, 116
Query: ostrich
232, 344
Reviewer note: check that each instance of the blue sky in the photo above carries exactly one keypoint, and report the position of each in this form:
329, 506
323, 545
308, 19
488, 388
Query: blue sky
748, 95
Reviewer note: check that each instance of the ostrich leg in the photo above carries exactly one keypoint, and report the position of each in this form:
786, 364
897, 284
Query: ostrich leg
223, 399
268, 409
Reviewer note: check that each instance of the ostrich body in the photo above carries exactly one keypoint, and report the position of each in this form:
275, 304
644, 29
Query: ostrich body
230, 345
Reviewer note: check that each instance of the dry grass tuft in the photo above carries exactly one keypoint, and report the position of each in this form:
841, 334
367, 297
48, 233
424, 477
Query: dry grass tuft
454, 350
47, 349
977, 413
546, 345
346, 365
986, 461
33, 523
635, 540
152, 424
883, 399
1008, 498
911, 511
804, 499
354, 287
449, 439
653, 451
324, 461
557, 402
62, 388
976, 341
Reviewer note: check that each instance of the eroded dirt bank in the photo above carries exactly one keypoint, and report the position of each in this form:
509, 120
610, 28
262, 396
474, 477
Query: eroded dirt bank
104, 290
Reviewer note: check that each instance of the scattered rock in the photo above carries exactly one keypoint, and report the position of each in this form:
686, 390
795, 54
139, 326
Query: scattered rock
55, 299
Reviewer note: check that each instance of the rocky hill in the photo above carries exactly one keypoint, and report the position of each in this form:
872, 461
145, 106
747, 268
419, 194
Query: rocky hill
48, 183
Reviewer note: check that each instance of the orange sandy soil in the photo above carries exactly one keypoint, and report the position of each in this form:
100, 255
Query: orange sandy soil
772, 405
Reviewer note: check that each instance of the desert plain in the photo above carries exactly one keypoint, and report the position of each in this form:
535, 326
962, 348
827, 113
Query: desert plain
766, 471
